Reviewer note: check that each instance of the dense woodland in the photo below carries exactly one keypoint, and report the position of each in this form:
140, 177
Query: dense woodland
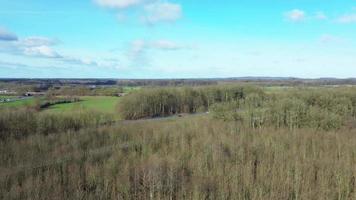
317, 108
255, 143
325, 108
20, 123
193, 158
158, 102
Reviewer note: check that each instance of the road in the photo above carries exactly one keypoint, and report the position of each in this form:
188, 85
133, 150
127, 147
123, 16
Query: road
179, 116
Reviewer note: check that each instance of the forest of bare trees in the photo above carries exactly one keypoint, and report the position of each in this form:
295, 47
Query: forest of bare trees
256, 143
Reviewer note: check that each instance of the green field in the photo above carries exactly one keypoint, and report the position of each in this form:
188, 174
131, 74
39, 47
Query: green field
129, 89
97, 103
6, 97
24, 102
103, 104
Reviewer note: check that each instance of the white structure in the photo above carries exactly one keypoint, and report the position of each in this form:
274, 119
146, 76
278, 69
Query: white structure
7, 92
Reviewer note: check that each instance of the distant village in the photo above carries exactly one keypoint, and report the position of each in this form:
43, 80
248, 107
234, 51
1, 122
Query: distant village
7, 92
26, 94
10, 96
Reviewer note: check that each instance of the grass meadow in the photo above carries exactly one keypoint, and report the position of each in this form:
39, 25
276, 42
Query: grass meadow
19, 103
104, 104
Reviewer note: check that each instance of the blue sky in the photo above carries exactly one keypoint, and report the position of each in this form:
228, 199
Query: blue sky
177, 39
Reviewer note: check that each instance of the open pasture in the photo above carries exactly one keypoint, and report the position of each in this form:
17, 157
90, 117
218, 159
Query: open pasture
96, 103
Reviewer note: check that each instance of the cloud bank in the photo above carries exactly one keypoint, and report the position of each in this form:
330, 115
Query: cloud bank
37, 46
150, 11
347, 19
5, 35
162, 12
118, 4
139, 46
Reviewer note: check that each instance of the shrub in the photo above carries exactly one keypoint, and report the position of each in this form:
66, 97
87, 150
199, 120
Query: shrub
17, 123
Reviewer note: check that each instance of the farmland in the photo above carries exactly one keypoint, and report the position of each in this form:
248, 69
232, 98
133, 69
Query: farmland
18, 103
97, 103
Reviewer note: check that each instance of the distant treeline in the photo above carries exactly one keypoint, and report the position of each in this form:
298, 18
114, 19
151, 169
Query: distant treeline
167, 82
159, 102
38, 85
85, 91
60, 81
290, 81
51, 102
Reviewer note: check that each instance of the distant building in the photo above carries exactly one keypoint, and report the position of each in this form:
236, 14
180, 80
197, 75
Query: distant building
3, 100
120, 94
7, 92
30, 94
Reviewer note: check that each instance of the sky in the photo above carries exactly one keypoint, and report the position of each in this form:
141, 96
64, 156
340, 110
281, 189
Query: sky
177, 38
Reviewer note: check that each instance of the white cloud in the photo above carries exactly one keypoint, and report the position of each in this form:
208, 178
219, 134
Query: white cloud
162, 12
13, 65
5, 35
139, 46
119, 4
43, 47
41, 51
149, 11
298, 15
37, 41
165, 45
295, 15
36, 46
139, 50
326, 38
347, 19
320, 15
30, 46
80, 61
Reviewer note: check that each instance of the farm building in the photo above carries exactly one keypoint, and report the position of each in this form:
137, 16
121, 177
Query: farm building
30, 94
